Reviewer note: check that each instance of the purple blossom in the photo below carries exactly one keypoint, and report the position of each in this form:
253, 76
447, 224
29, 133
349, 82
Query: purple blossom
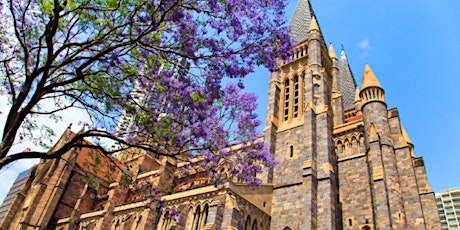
163, 68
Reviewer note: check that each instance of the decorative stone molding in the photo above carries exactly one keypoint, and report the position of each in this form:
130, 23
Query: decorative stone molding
309, 106
273, 83
321, 109
307, 168
210, 226
327, 167
377, 173
336, 94
307, 164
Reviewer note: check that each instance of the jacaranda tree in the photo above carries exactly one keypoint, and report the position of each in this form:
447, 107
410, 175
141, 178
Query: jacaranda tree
161, 63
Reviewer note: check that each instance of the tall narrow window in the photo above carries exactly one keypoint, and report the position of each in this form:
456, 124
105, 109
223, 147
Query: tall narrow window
247, 224
291, 151
204, 216
277, 101
138, 222
196, 219
117, 224
200, 218
286, 100
166, 222
296, 96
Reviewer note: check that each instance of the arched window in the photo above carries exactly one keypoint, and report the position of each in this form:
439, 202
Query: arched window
361, 143
347, 146
138, 222
247, 224
287, 228
204, 216
200, 217
355, 145
366, 228
254, 225
196, 218
286, 99
167, 220
339, 147
296, 96
116, 225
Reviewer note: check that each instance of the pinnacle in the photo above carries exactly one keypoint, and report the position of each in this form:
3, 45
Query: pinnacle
332, 54
313, 25
405, 136
343, 56
369, 78
357, 98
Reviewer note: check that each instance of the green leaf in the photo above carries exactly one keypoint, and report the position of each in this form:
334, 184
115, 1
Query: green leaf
48, 7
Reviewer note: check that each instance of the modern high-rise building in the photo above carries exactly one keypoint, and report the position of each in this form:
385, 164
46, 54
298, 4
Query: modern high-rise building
448, 202
14, 197
345, 162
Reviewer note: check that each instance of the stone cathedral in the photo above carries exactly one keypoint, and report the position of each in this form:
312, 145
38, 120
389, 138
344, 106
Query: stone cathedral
345, 162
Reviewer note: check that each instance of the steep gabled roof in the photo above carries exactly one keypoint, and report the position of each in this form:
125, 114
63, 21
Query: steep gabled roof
347, 82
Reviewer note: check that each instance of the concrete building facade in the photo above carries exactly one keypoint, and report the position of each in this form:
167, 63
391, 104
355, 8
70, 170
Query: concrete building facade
14, 196
448, 202
345, 162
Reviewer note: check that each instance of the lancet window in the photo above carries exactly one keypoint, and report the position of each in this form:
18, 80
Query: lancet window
292, 98
296, 96
200, 218
286, 99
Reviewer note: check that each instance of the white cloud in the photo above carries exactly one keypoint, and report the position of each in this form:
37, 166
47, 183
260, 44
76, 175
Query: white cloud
365, 47
364, 44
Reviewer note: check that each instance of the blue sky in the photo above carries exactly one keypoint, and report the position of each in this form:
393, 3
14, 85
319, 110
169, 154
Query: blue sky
413, 48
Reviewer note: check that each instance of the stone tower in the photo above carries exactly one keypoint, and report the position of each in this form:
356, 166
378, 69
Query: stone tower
345, 162
299, 128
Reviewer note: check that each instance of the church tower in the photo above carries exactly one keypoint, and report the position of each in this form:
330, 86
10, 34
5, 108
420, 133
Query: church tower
300, 120
345, 161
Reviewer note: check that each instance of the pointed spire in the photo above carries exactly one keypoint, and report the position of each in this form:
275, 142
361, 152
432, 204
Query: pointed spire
347, 82
405, 136
332, 54
313, 25
300, 20
357, 98
369, 79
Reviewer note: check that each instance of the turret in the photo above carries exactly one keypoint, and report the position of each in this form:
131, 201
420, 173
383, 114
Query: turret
371, 90
314, 46
381, 153
337, 98
373, 105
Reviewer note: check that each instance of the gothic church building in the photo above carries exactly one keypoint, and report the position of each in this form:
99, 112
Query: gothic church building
345, 162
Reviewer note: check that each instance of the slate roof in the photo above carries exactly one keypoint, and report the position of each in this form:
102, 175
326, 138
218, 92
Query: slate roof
347, 82
299, 26
300, 21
